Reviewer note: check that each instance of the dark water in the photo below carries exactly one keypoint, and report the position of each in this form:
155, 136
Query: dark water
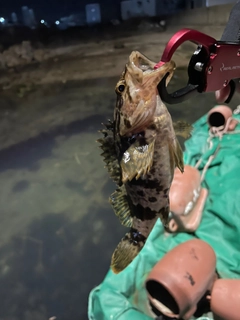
57, 230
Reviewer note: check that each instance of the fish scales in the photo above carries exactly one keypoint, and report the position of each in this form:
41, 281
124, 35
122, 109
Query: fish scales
152, 190
141, 152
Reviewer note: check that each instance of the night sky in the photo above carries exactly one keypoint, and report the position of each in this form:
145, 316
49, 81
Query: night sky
47, 9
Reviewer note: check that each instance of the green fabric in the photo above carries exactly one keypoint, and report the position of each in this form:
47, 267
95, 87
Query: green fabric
123, 296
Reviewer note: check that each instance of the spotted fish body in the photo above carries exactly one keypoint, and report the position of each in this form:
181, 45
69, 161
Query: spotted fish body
141, 152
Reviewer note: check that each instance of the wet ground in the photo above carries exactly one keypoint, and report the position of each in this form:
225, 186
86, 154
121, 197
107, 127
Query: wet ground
57, 230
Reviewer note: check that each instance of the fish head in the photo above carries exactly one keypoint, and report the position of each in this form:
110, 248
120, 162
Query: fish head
137, 93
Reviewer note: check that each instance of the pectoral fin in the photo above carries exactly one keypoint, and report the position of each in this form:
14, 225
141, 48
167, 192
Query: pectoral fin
164, 216
182, 128
137, 161
177, 155
121, 206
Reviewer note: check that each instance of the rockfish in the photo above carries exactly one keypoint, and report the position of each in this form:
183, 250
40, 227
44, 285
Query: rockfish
141, 151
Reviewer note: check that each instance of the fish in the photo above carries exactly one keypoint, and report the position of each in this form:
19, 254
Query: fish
141, 152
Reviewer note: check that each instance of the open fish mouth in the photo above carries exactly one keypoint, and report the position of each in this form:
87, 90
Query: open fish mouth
139, 61
140, 67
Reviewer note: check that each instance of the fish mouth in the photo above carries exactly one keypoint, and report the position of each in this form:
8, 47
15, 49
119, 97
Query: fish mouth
139, 64
141, 68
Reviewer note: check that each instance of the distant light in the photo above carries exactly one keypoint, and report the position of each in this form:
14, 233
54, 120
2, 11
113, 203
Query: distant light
162, 23
57, 22
2, 20
42, 21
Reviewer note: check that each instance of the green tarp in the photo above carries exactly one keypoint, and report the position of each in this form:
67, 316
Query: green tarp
123, 296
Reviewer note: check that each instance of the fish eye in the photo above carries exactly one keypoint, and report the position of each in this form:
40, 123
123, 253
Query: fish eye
120, 88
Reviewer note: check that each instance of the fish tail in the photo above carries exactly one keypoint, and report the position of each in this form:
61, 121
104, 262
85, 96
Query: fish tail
127, 249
